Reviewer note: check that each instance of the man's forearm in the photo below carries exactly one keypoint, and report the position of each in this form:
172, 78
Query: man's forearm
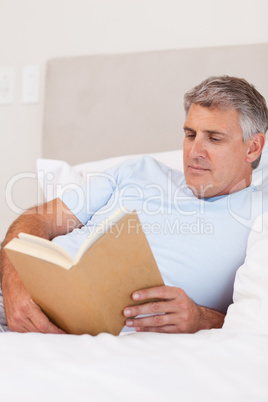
30, 222
47, 220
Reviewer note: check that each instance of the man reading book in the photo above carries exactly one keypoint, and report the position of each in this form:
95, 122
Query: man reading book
197, 224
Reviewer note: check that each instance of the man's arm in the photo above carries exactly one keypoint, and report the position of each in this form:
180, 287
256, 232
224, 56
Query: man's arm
174, 313
48, 221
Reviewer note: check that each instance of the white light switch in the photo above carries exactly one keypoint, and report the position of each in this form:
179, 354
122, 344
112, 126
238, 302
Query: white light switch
6, 85
30, 84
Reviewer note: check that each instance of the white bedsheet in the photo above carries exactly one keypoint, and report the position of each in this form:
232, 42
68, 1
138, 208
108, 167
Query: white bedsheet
213, 365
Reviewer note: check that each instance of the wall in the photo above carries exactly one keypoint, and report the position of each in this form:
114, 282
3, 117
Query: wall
33, 31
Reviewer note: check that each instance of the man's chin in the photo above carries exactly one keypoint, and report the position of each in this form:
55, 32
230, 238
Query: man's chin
201, 191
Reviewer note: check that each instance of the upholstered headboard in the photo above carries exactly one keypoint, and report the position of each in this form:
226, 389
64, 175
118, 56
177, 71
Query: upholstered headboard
108, 105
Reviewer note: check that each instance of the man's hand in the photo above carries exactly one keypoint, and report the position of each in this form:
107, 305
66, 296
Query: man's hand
48, 221
174, 313
23, 315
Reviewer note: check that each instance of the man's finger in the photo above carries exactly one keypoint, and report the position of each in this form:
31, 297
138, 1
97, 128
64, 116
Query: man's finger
158, 292
165, 329
31, 319
150, 308
41, 323
151, 321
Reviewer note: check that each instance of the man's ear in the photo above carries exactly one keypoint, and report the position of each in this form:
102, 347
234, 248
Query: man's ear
255, 148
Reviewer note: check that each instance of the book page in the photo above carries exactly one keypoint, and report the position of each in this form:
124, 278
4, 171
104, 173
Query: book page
42, 249
40, 241
99, 231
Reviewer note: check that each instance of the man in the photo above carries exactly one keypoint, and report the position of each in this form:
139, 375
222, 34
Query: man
197, 226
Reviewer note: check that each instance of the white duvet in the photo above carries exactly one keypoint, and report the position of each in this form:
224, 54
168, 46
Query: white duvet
215, 365
224, 365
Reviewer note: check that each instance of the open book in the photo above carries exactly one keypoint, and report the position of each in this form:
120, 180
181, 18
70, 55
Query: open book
88, 295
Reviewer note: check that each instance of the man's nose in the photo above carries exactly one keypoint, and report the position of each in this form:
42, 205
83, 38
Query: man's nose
198, 148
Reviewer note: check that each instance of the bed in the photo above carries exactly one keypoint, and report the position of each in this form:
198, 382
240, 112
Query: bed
99, 111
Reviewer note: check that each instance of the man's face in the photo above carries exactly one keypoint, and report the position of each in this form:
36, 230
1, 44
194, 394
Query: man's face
214, 154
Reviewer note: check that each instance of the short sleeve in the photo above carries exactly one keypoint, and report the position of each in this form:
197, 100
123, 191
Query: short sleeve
85, 200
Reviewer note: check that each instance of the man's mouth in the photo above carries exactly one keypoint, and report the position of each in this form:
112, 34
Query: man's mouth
197, 169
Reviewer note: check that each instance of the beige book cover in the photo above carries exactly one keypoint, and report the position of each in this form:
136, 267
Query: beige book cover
89, 297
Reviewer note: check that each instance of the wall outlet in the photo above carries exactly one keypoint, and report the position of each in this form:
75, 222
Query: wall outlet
30, 84
6, 85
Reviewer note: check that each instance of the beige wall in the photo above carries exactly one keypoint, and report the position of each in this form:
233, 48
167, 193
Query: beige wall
32, 31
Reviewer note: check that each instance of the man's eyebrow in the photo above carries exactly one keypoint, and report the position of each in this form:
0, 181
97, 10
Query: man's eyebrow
185, 128
217, 132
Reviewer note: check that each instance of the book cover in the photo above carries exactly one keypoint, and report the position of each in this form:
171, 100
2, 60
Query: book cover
90, 296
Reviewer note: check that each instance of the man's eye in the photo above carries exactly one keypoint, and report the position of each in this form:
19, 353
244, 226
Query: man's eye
215, 139
190, 136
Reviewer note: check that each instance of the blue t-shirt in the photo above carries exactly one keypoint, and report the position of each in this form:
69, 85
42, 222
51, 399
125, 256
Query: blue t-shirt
198, 244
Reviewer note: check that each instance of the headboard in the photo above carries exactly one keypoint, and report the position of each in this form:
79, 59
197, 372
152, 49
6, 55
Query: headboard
110, 105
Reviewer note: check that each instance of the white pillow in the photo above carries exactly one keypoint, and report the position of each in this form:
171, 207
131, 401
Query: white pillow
249, 312
54, 176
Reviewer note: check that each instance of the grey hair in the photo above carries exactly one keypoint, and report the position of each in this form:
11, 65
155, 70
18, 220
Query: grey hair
226, 92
